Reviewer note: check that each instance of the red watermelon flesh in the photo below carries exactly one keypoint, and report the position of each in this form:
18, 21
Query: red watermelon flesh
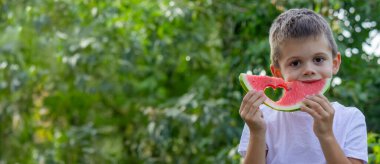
294, 92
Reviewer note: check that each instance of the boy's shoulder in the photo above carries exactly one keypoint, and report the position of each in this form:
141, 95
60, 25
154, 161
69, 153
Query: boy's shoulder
347, 115
350, 110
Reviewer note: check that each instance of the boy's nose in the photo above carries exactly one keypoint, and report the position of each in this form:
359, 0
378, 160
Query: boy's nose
309, 70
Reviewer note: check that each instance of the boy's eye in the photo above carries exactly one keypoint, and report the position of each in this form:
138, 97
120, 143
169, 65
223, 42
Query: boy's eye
295, 63
319, 59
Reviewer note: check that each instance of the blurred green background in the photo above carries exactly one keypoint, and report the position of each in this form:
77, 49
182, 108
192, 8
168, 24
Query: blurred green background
155, 81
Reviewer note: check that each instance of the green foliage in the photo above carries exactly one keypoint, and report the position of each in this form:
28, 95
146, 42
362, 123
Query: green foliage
86, 81
374, 148
274, 94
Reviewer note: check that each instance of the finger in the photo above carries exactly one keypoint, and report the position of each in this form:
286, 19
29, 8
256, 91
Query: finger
245, 100
248, 103
324, 107
313, 104
253, 105
319, 101
325, 103
258, 102
261, 100
310, 111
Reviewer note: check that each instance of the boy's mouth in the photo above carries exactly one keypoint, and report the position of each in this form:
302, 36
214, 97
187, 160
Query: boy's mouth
310, 81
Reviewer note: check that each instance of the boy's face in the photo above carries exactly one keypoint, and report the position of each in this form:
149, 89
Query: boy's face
308, 59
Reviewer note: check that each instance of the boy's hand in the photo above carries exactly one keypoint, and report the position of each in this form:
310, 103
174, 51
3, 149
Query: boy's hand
319, 107
250, 112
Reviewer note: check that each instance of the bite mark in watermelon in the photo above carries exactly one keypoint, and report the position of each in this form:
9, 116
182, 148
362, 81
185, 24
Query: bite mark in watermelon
294, 92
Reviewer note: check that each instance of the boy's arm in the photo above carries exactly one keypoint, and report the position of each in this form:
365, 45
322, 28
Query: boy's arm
323, 113
333, 153
256, 149
251, 114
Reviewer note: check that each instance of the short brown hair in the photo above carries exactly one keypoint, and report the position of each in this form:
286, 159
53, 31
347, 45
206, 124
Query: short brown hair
298, 23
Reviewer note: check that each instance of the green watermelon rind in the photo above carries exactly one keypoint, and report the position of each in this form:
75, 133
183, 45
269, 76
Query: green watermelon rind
296, 107
243, 82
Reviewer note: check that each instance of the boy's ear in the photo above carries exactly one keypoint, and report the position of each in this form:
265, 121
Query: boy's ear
275, 71
336, 63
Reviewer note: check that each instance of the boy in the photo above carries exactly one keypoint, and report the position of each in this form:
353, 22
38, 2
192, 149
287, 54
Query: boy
302, 48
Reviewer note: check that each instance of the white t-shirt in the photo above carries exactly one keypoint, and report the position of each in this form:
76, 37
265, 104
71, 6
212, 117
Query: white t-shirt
290, 137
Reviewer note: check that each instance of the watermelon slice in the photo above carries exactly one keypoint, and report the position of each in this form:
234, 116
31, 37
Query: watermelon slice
294, 92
